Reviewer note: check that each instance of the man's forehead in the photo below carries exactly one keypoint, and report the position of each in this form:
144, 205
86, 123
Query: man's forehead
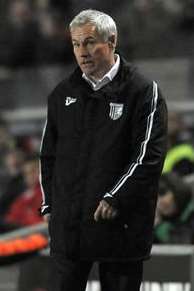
84, 31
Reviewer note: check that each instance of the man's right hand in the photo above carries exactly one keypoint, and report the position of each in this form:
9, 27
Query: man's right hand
105, 211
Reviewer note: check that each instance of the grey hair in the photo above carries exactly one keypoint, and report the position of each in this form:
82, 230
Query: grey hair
105, 25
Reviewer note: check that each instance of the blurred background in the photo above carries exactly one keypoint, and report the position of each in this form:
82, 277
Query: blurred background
36, 53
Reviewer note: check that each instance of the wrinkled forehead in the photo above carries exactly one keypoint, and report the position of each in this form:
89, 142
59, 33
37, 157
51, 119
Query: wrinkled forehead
84, 31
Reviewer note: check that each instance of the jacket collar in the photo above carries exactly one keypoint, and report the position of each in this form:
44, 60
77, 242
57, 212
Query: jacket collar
108, 77
111, 91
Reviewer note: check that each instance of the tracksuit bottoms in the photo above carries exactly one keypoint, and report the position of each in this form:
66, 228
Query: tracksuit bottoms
73, 275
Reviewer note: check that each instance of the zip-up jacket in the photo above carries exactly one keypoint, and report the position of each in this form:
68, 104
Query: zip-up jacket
107, 144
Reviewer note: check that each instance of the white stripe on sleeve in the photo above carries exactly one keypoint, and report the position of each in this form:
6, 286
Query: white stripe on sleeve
143, 147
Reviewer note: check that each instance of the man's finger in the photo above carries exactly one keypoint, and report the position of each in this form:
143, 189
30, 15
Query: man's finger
105, 211
97, 213
109, 213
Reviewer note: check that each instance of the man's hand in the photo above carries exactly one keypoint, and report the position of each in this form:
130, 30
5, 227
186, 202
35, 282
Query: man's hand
105, 211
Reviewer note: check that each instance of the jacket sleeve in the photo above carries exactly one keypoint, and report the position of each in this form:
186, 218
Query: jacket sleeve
149, 138
47, 156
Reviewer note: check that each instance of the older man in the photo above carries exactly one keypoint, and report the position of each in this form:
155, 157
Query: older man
101, 158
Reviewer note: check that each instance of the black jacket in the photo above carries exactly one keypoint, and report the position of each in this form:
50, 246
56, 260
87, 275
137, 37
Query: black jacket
106, 144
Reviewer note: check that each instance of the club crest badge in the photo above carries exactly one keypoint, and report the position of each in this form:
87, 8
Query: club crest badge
116, 110
70, 100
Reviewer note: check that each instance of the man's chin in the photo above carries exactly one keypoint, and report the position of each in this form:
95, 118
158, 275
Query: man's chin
87, 72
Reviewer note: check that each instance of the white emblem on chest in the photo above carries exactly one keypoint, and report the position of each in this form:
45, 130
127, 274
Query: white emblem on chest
116, 110
70, 100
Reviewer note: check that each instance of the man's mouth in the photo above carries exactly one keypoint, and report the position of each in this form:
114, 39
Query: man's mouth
86, 63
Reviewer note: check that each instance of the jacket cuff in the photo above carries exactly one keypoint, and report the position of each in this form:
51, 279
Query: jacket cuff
44, 209
111, 200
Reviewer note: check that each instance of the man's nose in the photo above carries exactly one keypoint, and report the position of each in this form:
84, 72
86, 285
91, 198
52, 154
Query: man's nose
83, 52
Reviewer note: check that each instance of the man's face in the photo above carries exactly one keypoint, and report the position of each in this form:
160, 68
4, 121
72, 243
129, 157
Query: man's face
94, 56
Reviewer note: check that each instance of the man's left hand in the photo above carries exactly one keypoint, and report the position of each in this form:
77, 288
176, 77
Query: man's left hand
105, 211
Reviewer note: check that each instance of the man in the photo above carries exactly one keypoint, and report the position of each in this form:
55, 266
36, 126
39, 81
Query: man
174, 222
23, 210
180, 154
101, 157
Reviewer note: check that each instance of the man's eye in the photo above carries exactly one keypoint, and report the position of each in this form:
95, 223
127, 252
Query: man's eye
75, 44
91, 42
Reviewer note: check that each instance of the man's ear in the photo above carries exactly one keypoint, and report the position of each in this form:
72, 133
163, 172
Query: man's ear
112, 41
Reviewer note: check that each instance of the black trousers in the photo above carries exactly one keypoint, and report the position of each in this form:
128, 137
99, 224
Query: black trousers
73, 275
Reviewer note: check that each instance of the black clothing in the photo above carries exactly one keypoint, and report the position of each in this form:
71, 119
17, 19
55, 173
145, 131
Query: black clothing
73, 275
122, 277
109, 144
